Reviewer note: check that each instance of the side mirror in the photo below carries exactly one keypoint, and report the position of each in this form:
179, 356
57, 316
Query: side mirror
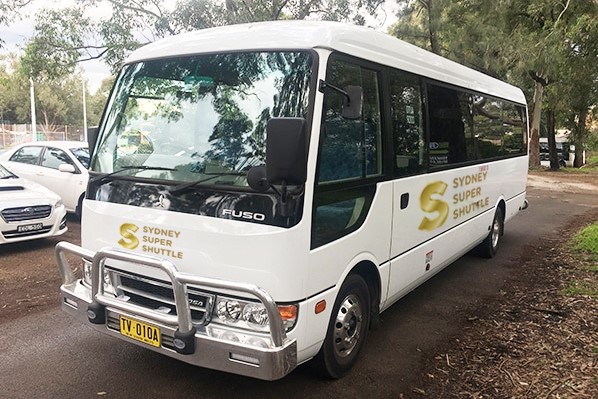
353, 102
67, 168
286, 151
92, 138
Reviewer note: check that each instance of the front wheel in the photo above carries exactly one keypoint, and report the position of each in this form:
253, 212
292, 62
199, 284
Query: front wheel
347, 329
489, 247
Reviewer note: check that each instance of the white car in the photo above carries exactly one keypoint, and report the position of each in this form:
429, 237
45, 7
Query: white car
61, 166
28, 210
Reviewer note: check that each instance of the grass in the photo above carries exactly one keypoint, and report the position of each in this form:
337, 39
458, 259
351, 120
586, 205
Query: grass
585, 247
586, 240
577, 288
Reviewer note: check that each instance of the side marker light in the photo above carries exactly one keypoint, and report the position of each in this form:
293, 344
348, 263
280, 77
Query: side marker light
320, 306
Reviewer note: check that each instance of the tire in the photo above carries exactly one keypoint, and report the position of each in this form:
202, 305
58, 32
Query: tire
347, 329
79, 208
489, 247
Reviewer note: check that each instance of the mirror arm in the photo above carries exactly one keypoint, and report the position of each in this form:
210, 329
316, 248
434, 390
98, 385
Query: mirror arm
324, 85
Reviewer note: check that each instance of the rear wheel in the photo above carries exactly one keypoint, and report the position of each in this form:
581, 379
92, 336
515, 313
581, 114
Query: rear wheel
489, 247
347, 329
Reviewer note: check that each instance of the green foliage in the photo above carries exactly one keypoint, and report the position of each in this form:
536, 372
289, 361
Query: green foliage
524, 42
66, 36
55, 48
58, 101
586, 240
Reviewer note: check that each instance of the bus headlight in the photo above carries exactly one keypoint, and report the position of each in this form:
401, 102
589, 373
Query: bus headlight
87, 276
250, 315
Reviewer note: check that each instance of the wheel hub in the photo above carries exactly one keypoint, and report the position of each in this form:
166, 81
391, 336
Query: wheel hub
348, 326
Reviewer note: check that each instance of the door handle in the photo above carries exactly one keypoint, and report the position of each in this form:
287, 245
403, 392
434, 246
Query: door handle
404, 200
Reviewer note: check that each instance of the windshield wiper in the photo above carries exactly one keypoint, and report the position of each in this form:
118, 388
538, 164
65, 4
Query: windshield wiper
128, 167
184, 186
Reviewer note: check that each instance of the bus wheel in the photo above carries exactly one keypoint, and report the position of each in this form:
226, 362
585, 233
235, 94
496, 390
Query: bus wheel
347, 329
489, 247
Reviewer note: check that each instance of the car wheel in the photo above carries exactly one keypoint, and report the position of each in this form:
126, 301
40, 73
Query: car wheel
79, 208
347, 329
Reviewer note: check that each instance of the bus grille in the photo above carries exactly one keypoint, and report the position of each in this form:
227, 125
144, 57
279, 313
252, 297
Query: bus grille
26, 213
158, 295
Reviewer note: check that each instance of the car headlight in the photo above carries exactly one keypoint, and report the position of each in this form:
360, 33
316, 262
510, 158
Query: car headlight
250, 315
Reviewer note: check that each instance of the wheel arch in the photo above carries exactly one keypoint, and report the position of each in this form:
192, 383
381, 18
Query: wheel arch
502, 205
368, 270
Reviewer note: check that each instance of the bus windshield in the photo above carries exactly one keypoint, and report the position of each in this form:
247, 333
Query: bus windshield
200, 118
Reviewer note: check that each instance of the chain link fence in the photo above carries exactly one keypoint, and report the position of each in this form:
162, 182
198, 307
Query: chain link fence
12, 134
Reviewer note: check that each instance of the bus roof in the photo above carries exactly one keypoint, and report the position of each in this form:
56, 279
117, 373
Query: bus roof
349, 39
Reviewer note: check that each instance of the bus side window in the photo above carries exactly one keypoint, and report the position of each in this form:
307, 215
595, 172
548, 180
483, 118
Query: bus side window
350, 152
447, 129
407, 129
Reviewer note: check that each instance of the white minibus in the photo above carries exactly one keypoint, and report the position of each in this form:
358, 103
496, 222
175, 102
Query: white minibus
259, 193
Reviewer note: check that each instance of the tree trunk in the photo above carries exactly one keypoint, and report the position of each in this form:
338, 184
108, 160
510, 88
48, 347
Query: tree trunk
579, 139
553, 155
534, 141
432, 28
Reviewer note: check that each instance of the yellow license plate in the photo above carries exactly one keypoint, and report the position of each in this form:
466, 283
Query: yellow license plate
140, 331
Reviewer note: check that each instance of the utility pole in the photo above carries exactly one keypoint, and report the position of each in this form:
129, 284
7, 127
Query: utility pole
84, 112
33, 122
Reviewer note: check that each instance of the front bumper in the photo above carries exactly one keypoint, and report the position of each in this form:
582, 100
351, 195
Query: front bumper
181, 339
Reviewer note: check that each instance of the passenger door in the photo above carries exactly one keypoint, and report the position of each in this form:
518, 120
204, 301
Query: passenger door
68, 186
408, 255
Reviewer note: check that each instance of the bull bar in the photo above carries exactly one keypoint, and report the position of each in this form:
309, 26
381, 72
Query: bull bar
191, 344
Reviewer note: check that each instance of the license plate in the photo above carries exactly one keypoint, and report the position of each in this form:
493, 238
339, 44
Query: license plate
139, 331
30, 227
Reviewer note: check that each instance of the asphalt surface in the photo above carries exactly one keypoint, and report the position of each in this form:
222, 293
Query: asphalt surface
51, 355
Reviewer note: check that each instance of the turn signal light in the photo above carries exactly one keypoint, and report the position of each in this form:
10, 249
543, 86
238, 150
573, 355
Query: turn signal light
320, 306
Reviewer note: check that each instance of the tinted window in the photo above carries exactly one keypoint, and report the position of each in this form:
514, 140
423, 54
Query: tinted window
350, 153
350, 148
28, 155
467, 127
407, 128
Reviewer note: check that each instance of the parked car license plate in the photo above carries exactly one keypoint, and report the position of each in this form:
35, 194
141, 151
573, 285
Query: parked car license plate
140, 331
30, 227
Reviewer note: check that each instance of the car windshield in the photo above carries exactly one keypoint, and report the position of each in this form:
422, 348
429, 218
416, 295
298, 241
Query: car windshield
203, 117
5, 173
82, 155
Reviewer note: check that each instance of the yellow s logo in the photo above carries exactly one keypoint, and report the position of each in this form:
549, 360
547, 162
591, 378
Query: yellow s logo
128, 239
429, 205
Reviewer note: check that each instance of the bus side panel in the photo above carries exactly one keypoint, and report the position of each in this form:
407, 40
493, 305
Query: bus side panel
446, 204
411, 269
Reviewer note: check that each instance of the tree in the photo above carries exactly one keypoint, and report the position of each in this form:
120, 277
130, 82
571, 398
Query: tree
529, 43
9, 9
58, 101
64, 37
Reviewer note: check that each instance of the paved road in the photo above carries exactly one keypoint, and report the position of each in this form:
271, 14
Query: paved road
50, 355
